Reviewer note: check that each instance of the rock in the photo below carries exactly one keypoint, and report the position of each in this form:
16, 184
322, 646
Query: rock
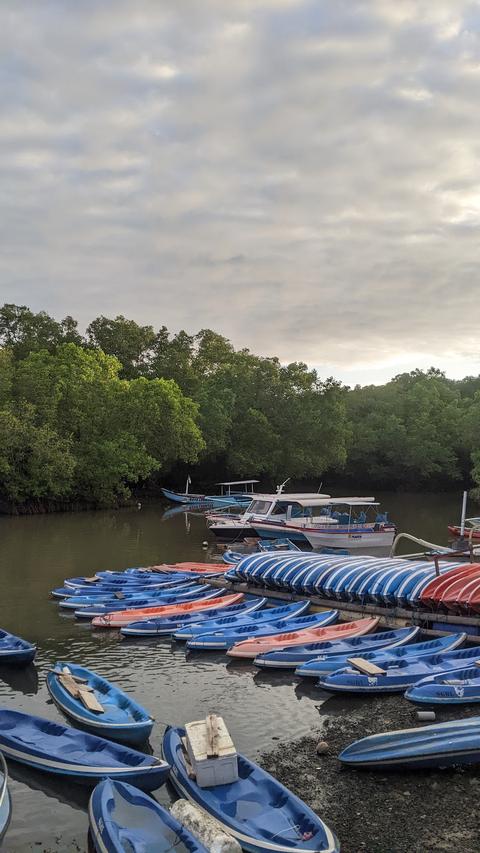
205, 828
322, 747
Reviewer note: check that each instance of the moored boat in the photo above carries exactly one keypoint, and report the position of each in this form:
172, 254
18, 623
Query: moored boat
257, 810
122, 818
457, 687
290, 658
123, 617
229, 624
382, 658
5, 798
171, 624
199, 593
107, 711
441, 745
53, 748
227, 639
15, 650
254, 647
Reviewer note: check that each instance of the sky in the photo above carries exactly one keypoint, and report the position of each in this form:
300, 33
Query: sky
301, 176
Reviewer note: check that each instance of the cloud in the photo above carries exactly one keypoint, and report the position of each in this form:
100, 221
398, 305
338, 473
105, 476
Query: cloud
299, 176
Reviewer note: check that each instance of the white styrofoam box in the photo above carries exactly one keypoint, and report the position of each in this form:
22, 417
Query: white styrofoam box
221, 770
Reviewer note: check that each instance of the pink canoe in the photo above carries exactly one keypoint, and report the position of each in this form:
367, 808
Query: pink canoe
252, 648
123, 617
198, 568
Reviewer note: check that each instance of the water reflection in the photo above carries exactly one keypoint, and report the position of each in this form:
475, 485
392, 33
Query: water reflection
39, 552
21, 680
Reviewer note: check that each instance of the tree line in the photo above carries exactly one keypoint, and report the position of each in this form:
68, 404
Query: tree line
88, 418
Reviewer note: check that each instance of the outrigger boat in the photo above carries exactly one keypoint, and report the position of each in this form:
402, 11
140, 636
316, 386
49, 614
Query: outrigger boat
232, 493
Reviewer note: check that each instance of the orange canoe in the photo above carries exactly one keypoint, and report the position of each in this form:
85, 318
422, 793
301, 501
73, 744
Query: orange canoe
252, 648
123, 617
200, 568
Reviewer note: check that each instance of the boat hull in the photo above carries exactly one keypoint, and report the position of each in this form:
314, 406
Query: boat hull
252, 648
117, 620
123, 818
256, 810
460, 687
165, 627
53, 748
225, 641
443, 745
296, 657
367, 538
123, 719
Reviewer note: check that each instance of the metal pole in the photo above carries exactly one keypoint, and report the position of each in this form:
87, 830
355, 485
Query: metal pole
464, 512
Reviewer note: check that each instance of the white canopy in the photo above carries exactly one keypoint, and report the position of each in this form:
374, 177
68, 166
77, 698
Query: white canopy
238, 483
337, 501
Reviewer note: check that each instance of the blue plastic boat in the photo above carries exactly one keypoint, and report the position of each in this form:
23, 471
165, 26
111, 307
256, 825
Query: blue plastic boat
79, 756
458, 687
123, 718
442, 745
257, 810
296, 656
401, 675
224, 623
5, 799
383, 657
203, 592
122, 818
74, 602
14, 650
246, 632
161, 627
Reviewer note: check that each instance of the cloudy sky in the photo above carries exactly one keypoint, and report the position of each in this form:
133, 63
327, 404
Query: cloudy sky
300, 175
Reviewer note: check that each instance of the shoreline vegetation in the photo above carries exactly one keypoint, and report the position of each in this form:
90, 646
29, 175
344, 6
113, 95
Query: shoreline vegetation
103, 419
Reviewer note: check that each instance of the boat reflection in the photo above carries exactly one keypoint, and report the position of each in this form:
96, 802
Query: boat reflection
24, 680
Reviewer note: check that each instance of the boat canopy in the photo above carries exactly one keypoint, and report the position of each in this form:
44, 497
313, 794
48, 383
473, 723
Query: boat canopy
321, 501
245, 486
285, 497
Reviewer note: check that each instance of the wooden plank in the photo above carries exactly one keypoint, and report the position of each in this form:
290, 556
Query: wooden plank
70, 685
90, 701
119, 595
190, 770
212, 735
366, 666
92, 579
66, 671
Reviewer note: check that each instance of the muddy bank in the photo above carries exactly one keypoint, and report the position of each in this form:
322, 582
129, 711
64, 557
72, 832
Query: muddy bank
376, 811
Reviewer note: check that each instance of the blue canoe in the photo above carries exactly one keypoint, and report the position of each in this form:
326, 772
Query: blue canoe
81, 757
458, 687
257, 810
14, 650
203, 592
248, 632
5, 799
270, 614
401, 675
123, 818
123, 718
383, 657
161, 627
442, 745
296, 656
74, 602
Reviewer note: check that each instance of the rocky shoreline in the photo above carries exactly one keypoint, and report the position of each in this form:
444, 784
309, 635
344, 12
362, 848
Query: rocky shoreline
376, 811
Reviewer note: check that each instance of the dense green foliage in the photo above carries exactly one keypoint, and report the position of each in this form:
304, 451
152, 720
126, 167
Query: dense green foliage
86, 418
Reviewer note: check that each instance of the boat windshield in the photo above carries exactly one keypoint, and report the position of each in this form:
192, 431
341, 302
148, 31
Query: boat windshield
259, 507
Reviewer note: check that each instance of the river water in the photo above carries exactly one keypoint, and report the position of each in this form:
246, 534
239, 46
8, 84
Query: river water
38, 552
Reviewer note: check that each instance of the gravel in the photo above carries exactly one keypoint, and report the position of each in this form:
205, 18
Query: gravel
376, 811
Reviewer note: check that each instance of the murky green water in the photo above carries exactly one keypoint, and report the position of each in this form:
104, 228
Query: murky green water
38, 552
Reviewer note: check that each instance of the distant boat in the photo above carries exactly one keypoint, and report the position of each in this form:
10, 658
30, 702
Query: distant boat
232, 493
471, 529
